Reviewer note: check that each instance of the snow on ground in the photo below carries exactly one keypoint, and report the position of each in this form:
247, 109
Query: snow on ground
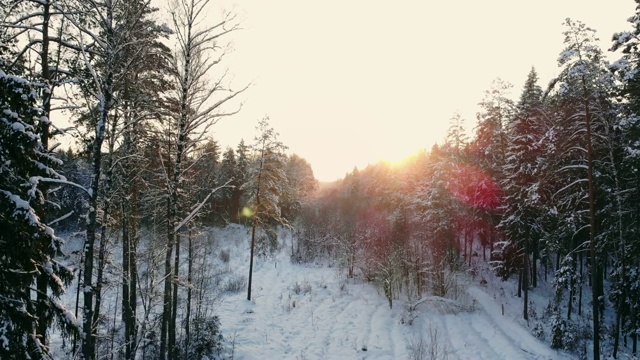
301, 311
307, 312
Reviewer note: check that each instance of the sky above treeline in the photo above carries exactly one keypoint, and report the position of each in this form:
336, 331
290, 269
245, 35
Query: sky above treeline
350, 82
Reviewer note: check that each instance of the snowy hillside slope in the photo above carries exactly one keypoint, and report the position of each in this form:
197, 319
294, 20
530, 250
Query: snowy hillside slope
307, 312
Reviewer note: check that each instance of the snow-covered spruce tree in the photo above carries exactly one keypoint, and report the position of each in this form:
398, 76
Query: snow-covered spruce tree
416, 256
301, 182
490, 142
267, 182
625, 292
38, 28
350, 201
29, 246
227, 173
489, 148
464, 189
439, 219
205, 173
41, 36
456, 138
521, 216
582, 105
197, 103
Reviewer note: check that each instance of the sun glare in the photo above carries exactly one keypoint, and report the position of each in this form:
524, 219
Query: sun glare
398, 161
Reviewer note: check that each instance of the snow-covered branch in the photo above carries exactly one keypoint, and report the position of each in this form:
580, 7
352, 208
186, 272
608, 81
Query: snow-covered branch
38, 179
199, 206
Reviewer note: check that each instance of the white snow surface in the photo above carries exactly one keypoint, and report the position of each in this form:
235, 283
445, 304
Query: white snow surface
312, 311
332, 317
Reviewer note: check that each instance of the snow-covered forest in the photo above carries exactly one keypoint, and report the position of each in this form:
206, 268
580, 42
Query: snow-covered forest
515, 237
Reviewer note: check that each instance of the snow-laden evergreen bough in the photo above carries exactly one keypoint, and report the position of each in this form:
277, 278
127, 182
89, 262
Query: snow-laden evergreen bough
28, 245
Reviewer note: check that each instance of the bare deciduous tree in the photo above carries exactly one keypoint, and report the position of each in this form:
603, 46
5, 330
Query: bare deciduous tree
197, 104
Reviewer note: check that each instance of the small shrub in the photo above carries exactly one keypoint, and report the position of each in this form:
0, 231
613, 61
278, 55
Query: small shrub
301, 288
322, 283
235, 284
296, 288
306, 287
417, 348
435, 347
533, 314
538, 331
569, 335
207, 339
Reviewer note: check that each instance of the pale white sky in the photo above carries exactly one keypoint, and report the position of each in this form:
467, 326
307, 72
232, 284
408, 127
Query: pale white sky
349, 82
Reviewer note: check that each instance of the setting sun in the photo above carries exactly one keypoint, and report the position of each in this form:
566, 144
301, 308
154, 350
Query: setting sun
396, 162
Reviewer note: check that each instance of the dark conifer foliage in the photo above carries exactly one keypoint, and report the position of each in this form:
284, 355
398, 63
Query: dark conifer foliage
29, 246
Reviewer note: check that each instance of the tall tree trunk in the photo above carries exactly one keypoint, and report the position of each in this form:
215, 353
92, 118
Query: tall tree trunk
74, 343
168, 272
175, 184
616, 333
534, 264
572, 280
128, 202
44, 316
173, 345
102, 250
253, 245
133, 287
88, 343
253, 228
491, 238
187, 325
113, 326
520, 281
469, 240
525, 284
100, 274
592, 232
581, 284
126, 283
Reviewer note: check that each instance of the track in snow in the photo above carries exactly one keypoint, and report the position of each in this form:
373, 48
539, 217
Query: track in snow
355, 322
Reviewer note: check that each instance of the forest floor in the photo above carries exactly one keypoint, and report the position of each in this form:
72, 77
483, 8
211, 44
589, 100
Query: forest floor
313, 312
